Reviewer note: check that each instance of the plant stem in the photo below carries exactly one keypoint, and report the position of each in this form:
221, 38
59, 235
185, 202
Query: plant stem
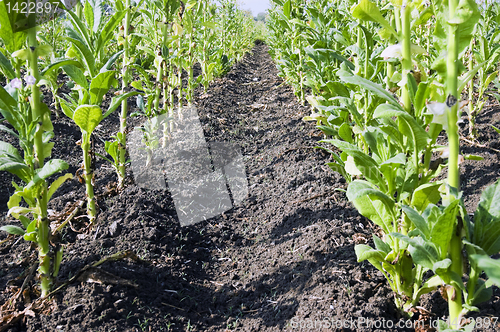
43, 123
124, 107
455, 250
406, 61
89, 178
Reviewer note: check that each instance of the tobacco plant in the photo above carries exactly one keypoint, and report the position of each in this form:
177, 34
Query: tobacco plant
32, 126
85, 110
387, 140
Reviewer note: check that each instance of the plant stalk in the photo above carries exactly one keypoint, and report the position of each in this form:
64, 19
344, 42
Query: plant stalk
89, 178
124, 107
406, 52
455, 250
43, 235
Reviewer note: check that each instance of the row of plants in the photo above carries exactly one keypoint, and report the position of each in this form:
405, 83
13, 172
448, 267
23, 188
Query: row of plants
384, 79
145, 50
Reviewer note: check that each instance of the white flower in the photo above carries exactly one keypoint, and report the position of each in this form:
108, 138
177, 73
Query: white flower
445, 154
396, 51
30, 80
393, 51
440, 112
16, 83
350, 166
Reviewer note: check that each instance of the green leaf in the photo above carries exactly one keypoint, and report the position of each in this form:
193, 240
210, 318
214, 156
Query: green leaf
117, 101
381, 245
442, 266
8, 106
364, 252
209, 24
6, 66
345, 132
89, 14
83, 48
287, 9
490, 266
13, 229
422, 252
57, 183
365, 163
424, 16
486, 232
372, 203
417, 220
347, 76
58, 64
442, 230
366, 10
109, 64
426, 194
76, 74
87, 117
31, 234
100, 85
410, 127
496, 129
109, 29
24, 220
51, 167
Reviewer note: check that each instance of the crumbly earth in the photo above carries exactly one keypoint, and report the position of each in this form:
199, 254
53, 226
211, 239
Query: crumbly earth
282, 257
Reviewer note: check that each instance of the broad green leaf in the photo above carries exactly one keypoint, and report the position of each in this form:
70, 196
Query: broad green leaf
8, 149
372, 203
399, 159
52, 167
287, 9
76, 74
345, 132
424, 16
490, 266
422, 252
16, 210
417, 220
423, 93
109, 29
366, 10
31, 234
83, 48
426, 194
8, 106
209, 24
87, 117
24, 220
487, 220
117, 100
364, 252
11, 229
100, 85
57, 183
7, 68
440, 267
348, 77
364, 163
109, 64
381, 245
442, 230
411, 128
58, 64
81, 32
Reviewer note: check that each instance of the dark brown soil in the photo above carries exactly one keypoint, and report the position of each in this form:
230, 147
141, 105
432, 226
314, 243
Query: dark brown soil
286, 254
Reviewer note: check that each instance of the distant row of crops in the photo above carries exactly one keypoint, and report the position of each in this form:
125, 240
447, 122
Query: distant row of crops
146, 49
384, 79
